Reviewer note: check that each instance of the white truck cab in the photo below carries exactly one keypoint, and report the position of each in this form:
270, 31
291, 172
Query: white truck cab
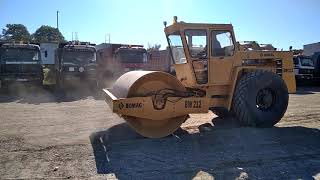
303, 67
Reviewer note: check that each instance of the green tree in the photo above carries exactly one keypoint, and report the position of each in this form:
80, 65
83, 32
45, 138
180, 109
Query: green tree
15, 32
47, 34
154, 47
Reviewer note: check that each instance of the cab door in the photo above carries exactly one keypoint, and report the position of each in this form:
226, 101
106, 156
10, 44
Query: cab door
221, 56
197, 48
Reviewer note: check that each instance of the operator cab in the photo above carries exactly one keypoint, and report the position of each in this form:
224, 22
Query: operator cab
75, 63
20, 63
131, 57
78, 55
201, 48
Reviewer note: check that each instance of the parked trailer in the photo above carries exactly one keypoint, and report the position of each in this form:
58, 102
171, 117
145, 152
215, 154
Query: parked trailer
310, 49
313, 50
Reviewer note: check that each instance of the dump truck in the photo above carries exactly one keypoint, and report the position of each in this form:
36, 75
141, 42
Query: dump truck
303, 67
160, 60
131, 58
316, 62
20, 62
117, 59
75, 64
211, 74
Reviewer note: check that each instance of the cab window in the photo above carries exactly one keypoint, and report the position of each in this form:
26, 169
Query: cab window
176, 46
306, 62
221, 43
197, 42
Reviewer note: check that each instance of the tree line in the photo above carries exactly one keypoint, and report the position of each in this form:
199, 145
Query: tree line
19, 32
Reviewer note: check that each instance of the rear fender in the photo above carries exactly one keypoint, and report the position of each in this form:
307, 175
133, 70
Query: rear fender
239, 72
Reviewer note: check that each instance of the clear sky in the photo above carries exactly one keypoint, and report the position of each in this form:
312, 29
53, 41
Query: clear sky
280, 22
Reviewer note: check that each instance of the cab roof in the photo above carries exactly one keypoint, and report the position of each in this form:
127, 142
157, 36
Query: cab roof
177, 26
80, 47
21, 46
124, 50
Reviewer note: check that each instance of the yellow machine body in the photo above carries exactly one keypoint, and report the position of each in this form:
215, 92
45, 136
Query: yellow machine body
156, 103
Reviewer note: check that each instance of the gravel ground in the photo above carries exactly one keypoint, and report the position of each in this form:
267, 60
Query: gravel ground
43, 135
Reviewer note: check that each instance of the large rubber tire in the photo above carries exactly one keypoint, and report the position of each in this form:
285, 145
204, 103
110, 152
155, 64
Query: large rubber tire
247, 94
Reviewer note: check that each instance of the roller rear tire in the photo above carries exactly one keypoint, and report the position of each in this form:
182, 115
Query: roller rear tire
260, 99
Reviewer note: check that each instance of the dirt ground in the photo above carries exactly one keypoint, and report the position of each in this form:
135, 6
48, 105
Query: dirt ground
75, 135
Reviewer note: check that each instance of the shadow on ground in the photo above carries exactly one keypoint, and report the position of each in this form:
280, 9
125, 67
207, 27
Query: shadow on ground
223, 151
46, 94
306, 88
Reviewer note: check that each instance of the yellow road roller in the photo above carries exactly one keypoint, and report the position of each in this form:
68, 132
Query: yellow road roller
212, 73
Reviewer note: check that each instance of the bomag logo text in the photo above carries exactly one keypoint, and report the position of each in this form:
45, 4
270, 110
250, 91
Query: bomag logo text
133, 105
266, 54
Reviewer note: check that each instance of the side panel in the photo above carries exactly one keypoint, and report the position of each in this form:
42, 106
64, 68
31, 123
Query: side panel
219, 70
287, 64
288, 73
289, 80
185, 74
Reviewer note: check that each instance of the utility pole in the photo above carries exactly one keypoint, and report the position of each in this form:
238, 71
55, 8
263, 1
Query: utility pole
76, 36
57, 19
105, 38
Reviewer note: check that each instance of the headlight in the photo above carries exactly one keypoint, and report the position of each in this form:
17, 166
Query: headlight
71, 68
81, 69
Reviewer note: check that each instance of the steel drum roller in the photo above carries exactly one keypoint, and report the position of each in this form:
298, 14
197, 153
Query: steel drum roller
142, 84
